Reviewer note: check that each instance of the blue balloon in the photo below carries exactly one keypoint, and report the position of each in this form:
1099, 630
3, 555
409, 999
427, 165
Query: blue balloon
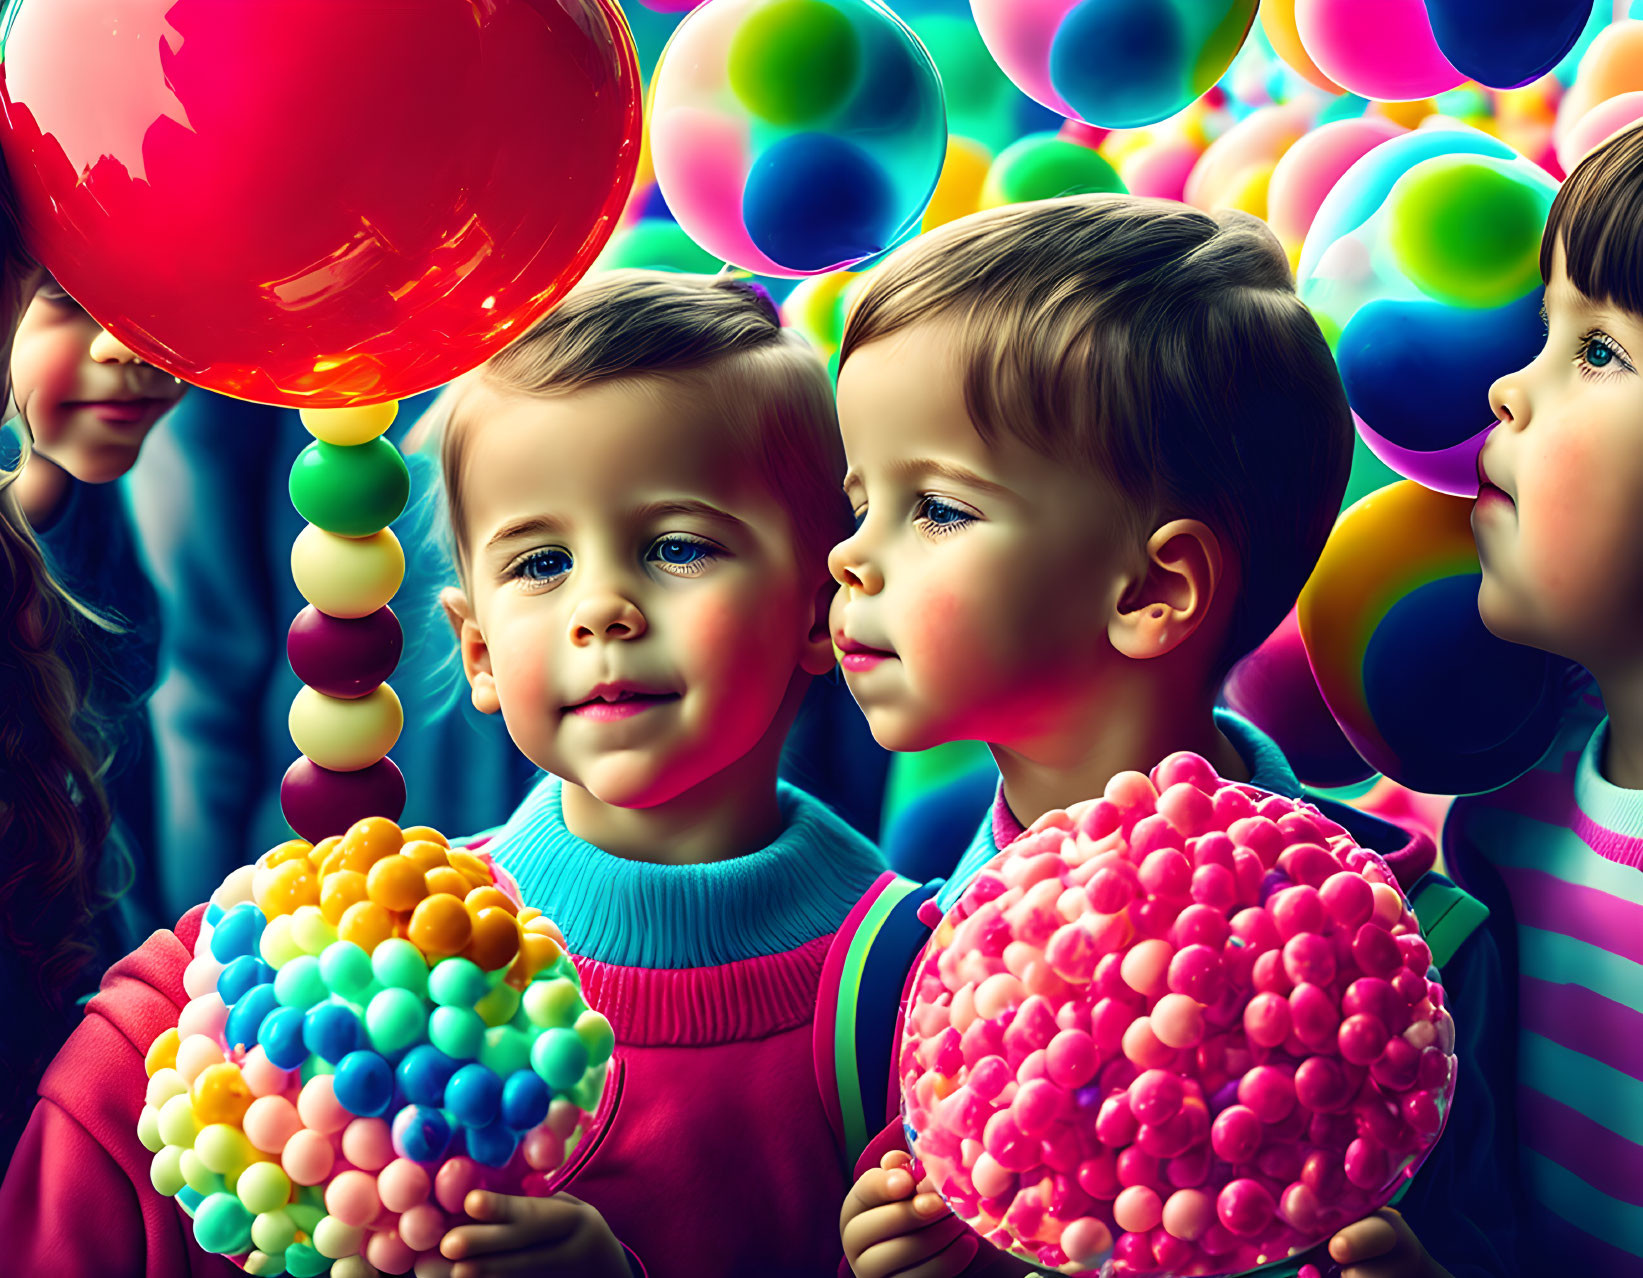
423, 1073
1507, 43
281, 1038
421, 1133
525, 1100
238, 934
332, 1030
492, 1146
1419, 372
1140, 87
813, 201
241, 976
245, 1018
474, 1095
364, 1084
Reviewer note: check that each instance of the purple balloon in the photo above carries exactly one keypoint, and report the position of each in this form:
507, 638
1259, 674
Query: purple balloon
319, 803
344, 657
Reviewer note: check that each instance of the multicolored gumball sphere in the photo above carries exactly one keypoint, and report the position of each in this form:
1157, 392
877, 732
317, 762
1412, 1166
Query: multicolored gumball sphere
1420, 687
387, 203
796, 137
1430, 242
375, 1027
1185, 1028
1119, 64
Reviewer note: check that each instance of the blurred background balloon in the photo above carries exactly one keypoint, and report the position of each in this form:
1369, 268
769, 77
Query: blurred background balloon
387, 203
1430, 242
1043, 166
1382, 50
796, 137
1115, 63
1507, 43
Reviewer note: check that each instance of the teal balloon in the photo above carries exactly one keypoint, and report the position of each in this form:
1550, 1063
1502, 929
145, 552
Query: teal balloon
222, 1224
657, 244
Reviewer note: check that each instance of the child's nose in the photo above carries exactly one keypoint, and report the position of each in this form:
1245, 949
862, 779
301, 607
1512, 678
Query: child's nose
853, 569
109, 349
1509, 398
606, 615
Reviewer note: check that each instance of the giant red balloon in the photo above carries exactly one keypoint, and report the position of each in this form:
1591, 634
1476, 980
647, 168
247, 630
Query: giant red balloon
317, 203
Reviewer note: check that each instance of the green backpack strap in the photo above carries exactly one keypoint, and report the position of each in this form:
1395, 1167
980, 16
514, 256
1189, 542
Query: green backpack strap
1447, 915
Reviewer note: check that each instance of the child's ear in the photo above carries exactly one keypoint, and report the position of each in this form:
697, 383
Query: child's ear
476, 657
818, 657
1173, 597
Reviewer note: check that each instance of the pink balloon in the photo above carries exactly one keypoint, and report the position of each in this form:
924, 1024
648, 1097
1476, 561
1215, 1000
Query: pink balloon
1161, 169
1598, 125
1260, 138
1384, 50
1308, 171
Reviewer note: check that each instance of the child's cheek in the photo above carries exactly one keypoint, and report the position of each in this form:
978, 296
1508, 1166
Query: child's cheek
1566, 504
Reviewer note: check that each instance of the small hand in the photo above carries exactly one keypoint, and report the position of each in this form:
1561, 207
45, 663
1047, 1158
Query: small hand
560, 1235
1382, 1246
889, 1226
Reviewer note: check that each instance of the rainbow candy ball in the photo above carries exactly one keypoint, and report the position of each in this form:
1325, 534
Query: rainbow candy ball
1118, 64
305, 1106
796, 137
1430, 242
1186, 1028
1420, 688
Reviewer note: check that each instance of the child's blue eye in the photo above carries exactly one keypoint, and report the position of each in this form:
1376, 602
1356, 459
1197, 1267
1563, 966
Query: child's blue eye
682, 553
937, 516
543, 565
1598, 355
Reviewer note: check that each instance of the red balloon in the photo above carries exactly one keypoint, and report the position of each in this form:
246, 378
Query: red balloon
312, 203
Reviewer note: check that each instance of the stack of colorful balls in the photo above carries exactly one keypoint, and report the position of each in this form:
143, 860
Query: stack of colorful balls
376, 1026
1187, 1028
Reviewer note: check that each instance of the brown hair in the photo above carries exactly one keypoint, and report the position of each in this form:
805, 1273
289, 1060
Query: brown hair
720, 337
1155, 344
1598, 218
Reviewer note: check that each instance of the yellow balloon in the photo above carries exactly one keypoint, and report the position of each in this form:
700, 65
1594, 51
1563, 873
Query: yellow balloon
347, 576
348, 426
346, 735
958, 189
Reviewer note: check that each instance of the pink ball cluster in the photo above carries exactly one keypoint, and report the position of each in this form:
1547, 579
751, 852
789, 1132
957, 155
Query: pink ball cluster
1188, 1028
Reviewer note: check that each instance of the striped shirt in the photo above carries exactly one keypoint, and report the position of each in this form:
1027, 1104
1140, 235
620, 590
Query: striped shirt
1567, 849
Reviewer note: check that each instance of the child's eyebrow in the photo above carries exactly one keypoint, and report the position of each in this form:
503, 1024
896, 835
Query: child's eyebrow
922, 467
685, 506
528, 526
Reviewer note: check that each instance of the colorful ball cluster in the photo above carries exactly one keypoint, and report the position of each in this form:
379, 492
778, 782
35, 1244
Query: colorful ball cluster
1119, 64
1186, 1028
796, 137
375, 1027
1430, 242
350, 484
1425, 694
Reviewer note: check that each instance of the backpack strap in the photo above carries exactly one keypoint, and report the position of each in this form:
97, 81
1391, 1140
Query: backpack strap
859, 1006
1447, 914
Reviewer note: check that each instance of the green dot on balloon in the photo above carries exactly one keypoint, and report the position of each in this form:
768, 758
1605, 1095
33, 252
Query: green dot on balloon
498, 1006
222, 1224
346, 969
1042, 167
457, 982
560, 1057
1466, 232
306, 1212
504, 1050
587, 1093
597, 1036
399, 965
165, 1173
352, 490
273, 1231
395, 1019
299, 983
263, 1187
553, 1003
457, 1032
200, 1178
261, 1262
658, 244
794, 60
302, 1261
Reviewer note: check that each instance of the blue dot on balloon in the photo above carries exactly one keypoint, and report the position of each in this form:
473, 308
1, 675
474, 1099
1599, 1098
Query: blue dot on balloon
364, 1084
423, 1073
1419, 372
814, 202
1507, 43
1463, 710
1122, 63
245, 1018
422, 1133
473, 1095
525, 1099
332, 1030
492, 1145
238, 933
241, 976
895, 90
281, 1038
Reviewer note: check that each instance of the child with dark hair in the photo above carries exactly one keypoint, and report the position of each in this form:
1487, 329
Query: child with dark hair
1096, 446
1558, 855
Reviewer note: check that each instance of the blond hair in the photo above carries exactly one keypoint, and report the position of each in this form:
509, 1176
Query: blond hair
723, 340
1156, 345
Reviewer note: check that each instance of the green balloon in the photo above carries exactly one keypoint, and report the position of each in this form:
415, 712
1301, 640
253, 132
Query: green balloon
222, 1224
346, 969
395, 1019
657, 244
560, 1057
794, 61
300, 984
302, 1261
1467, 233
398, 964
352, 490
504, 1051
597, 1036
457, 982
1043, 166
457, 1032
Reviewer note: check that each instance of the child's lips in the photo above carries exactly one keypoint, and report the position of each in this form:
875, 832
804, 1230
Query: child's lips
858, 656
608, 707
121, 412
